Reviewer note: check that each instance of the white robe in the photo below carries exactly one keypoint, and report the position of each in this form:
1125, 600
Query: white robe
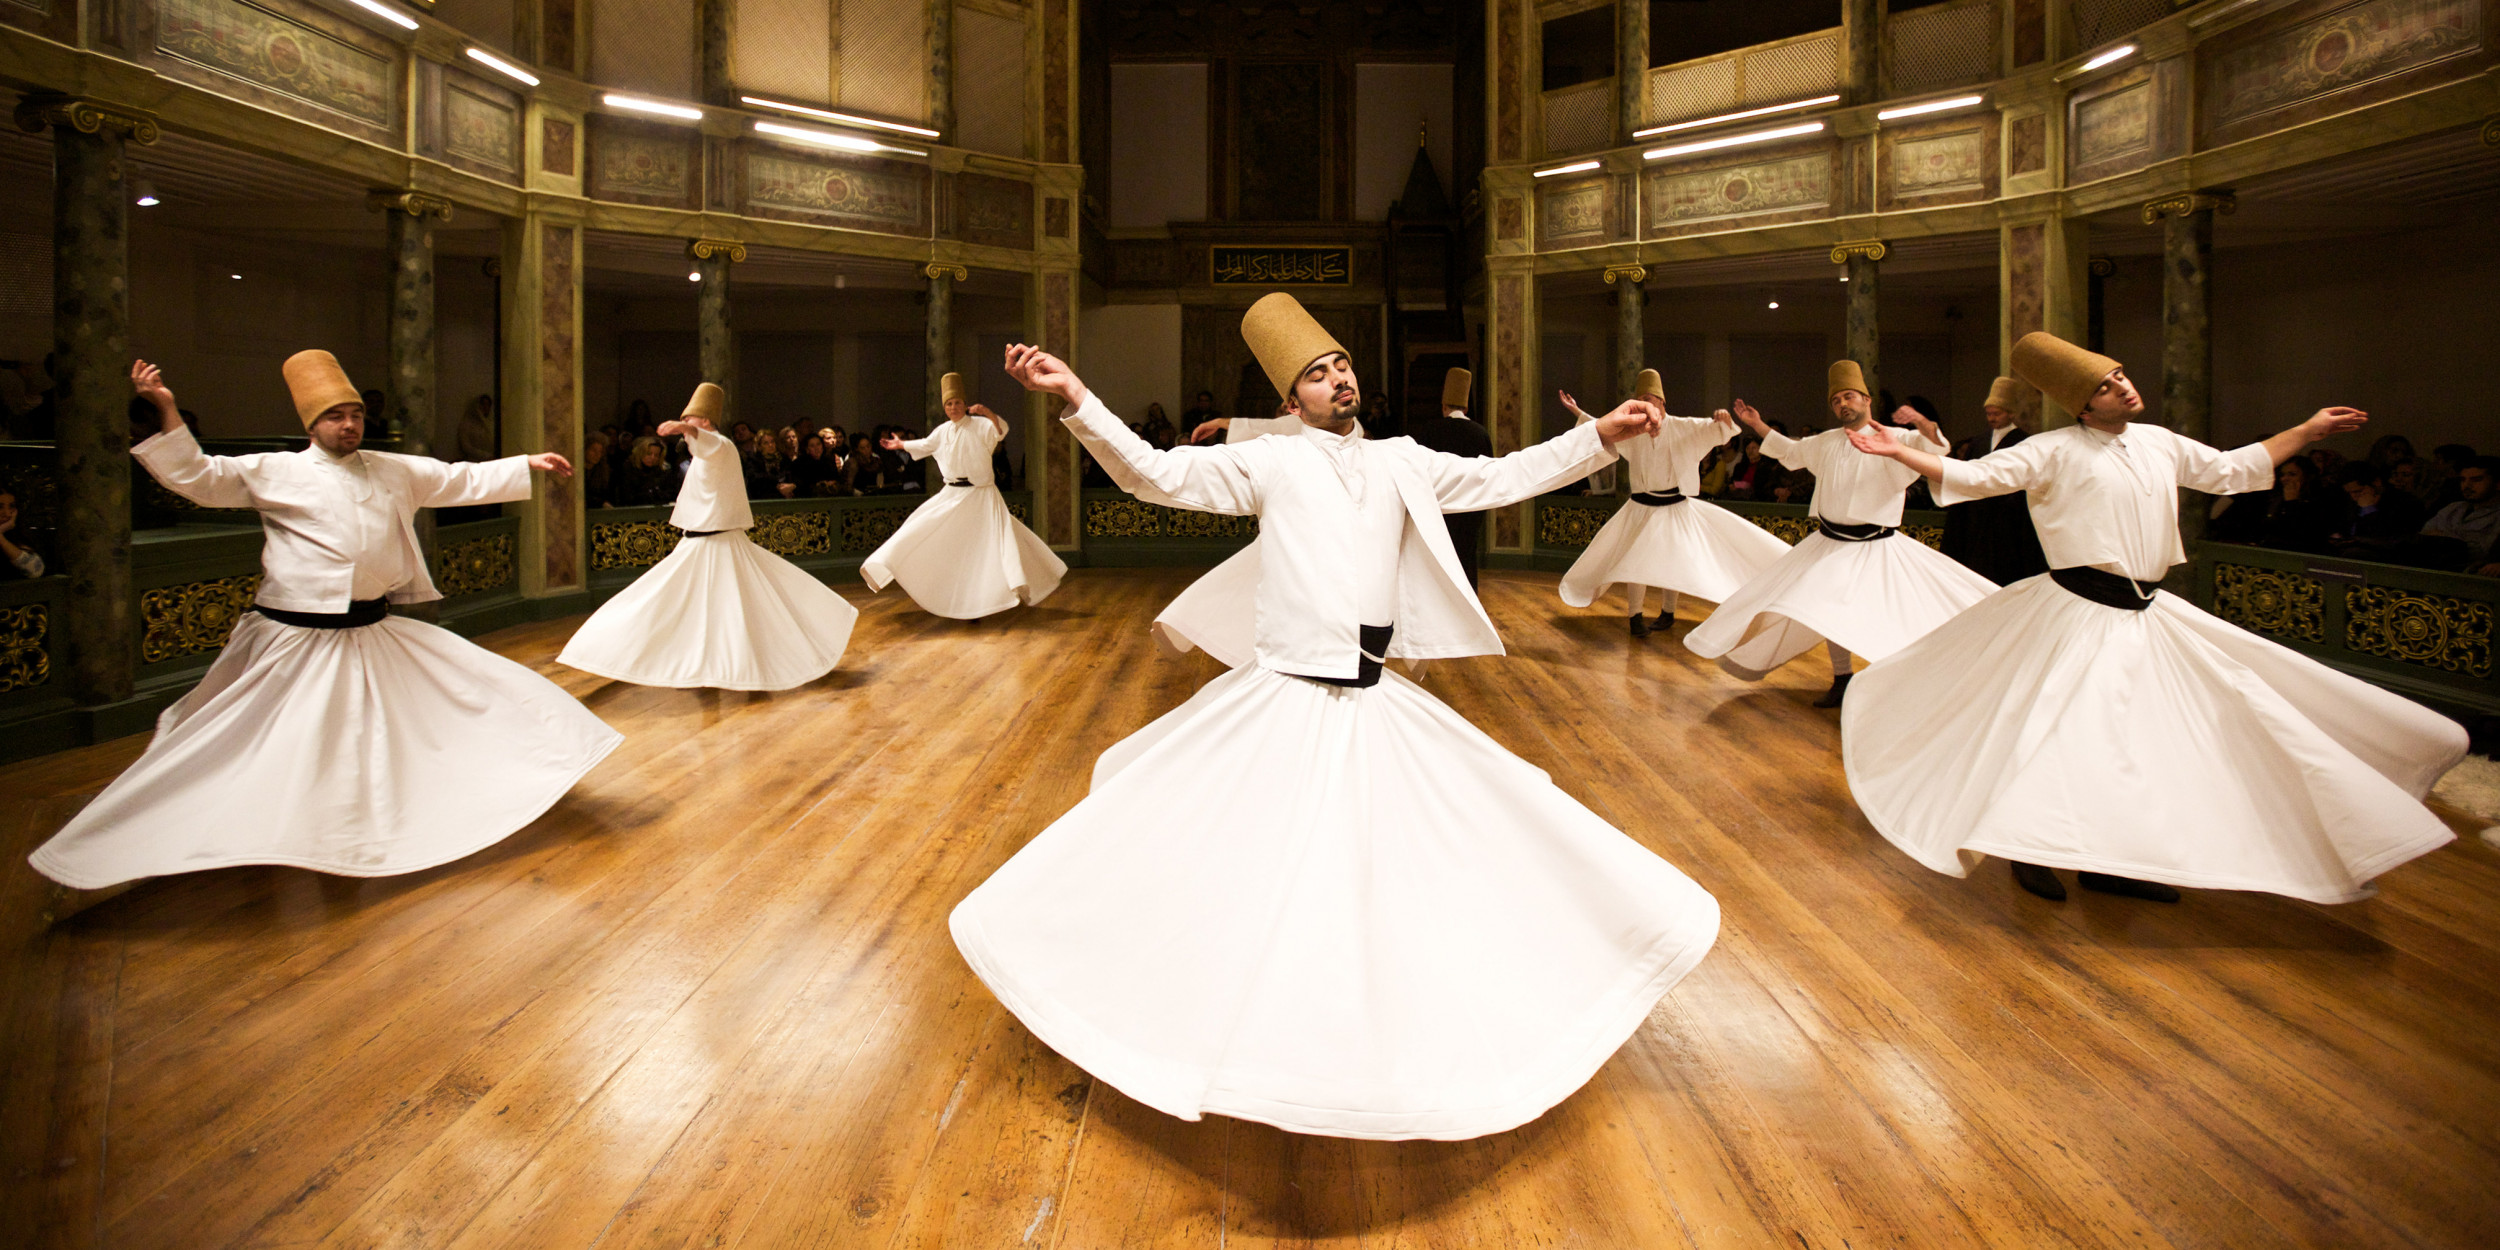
962, 554
1396, 928
1695, 547
364, 752
1873, 598
2162, 744
720, 611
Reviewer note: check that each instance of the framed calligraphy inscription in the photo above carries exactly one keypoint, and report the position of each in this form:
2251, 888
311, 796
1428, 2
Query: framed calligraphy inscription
1280, 266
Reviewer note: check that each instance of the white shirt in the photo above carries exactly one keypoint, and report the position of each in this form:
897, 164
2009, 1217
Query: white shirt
1379, 535
336, 528
714, 495
1851, 487
962, 449
1312, 594
2104, 501
1996, 435
1671, 458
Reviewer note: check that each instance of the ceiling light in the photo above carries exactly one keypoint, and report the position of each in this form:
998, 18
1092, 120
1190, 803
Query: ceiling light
387, 13
1765, 111
146, 193
1931, 106
1758, 136
694, 275
831, 116
828, 139
502, 66
1775, 303
2111, 57
1572, 168
236, 276
1844, 277
615, 101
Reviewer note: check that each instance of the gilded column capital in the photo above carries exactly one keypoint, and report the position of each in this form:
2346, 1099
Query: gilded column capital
39, 110
2491, 133
2101, 266
940, 269
1871, 249
2186, 202
1628, 273
706, 249
414, 203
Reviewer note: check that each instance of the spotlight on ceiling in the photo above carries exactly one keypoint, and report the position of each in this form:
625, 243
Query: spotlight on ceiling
145, 196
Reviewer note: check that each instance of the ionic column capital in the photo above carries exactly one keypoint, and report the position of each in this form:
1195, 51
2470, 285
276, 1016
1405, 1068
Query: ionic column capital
1871, 249
2187, 202
412, 202
43, 109
706, 249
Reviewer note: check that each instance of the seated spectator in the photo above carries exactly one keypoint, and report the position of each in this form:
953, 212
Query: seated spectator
742, 436
765, 472
788, 438
2295, 514
25, 561
1714, 466
2447, 464
598, 472
2387, 449
814, 474
2409, 476
1753, 475
644, 480
2473, 522
2325, 460
2385, 521
863, 470
1157, 428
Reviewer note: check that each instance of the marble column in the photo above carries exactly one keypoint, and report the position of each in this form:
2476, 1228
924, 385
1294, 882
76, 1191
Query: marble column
542, 373
1631, 70
1050, 460
1862, 32
1863, 342
715, 337
1630, 296
1511, 332
938, 336
2041, 286
938, 30
91, 368
410, 217
712, 33
2187, 349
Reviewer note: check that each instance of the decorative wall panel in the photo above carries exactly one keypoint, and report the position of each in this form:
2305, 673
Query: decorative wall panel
1942, 162
2114, 126
993, 211
481, 127
25, 646
2310, 62
1577, 213
886, 196
297, 59
175, 621
1795, 186
2027, 144
1283, 119
635, 163
884, 66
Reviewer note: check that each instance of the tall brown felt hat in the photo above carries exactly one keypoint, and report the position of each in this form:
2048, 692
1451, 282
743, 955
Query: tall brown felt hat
2002, 393
318, 384
1454, 387
1649, 383
1844, 376
951, 387
1285, 338
706, 402
2064, 372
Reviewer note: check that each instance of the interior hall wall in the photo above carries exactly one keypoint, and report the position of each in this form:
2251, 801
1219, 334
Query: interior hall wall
1394, 105
2398, 325
989, 82
645, 45
1144, 368
1158, 144
220, 338
464, 342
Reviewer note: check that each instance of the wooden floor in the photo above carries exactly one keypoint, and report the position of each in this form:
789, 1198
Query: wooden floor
710, 1000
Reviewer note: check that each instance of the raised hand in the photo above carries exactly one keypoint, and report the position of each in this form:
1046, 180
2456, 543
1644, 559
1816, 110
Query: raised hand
682, 425
1722, 416
1752, 419
2330, 421
1211, 430
550, 462
1038, 370
891, 442
982, 410
1634, 418
1571, 405
149, 382
1875, 439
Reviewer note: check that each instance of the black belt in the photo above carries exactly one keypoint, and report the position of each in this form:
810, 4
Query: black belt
1855, 533
359, 613
2106, 589
1659, 498
703, 533
959, 481
1374, 640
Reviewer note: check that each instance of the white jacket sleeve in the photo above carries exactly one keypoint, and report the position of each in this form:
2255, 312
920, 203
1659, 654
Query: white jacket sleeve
2001, 472
1203, 479
175, 459
1474, 483
441, 485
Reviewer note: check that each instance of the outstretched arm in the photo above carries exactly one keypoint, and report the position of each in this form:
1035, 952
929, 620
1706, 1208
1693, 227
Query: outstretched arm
1876, 439
994, 419
174, 458
2321, 424
1206, 479
1474, 483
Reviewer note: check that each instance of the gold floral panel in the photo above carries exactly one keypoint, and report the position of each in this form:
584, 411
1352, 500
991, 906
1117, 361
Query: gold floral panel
476, 567
1568, 526
1180, 523
2416, 627
1932, 535
1789, 529
1023, 513
2270, 601
630, 544
1121, 518
789, 534
864, 528
175, 621
24, 660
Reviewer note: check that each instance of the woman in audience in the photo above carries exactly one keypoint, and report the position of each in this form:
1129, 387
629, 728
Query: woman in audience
1157, 429
1752, 476
2296, 514
2386, 450
644, 480
813, 473
598, 472
765, 471
864, 473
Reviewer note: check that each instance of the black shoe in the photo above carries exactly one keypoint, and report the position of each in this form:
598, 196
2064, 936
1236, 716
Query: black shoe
1839, 691
1640, 625
2126, 887
2039, 881
1666, 621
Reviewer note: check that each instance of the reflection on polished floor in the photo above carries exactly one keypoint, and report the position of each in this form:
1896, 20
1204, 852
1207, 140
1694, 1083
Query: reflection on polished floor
710, 1000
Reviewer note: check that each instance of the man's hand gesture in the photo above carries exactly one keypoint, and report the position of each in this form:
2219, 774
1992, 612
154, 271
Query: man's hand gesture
1636, 417
550, 462
149, 383
1753, 420
683, 425
2331, 421
1875, 439
1210, 430
1038, 370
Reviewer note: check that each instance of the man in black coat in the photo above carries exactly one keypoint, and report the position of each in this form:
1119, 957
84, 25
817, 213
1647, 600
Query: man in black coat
1993, 537
1455, 433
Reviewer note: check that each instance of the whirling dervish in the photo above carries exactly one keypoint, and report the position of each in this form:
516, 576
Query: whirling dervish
1394, 929
331, 734
720, 611
962, 554
1667, 536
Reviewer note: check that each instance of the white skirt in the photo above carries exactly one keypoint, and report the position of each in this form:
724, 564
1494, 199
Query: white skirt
1873, 598
2164, 744
1336, 911
963, 555
1695, 547
364, 752
1217, 613
718, 612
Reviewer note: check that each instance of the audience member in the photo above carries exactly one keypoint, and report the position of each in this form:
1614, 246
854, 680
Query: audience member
2295, 514
22, 559
1201, 411
474, 438
764, 468
2473, 522
814, 473
2387, 449
2385, 521
2447, 463
2408, 475
863, 470
1753, 475
1157, 428
598, 472
644, 480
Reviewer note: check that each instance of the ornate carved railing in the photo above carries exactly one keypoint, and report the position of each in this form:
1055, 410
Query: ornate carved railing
2419, 632
823, 536
1123, 531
